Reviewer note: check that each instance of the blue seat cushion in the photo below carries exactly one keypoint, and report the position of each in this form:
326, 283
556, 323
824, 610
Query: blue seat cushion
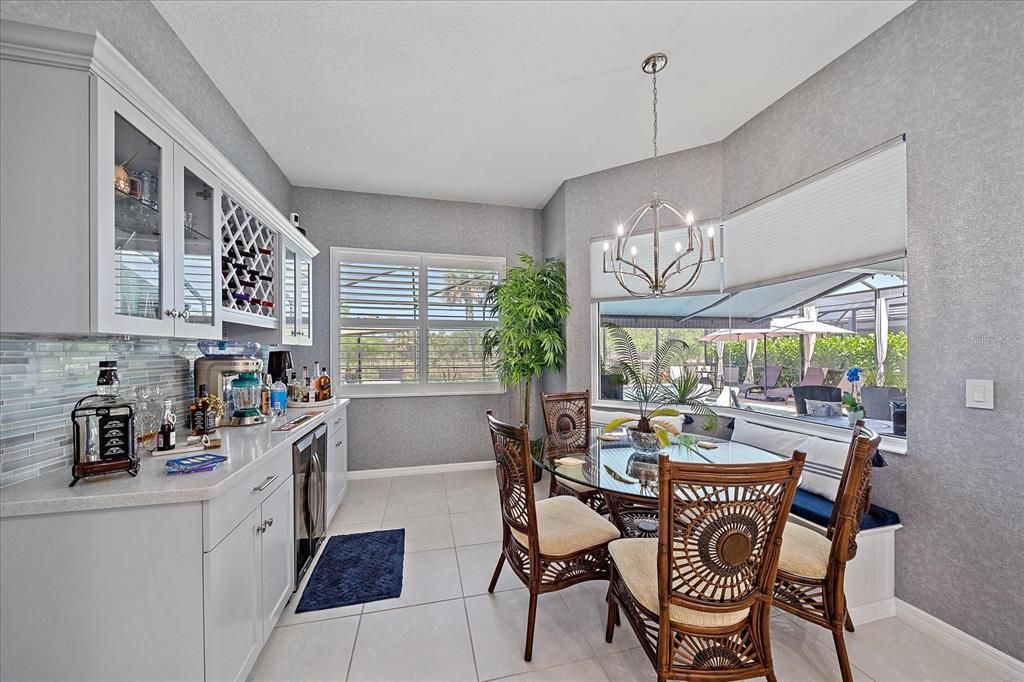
818, 509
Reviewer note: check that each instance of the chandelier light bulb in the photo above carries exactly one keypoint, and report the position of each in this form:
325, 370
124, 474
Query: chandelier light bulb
689, 218
711, 232
679, 247
605, 246
632, 251
619, 230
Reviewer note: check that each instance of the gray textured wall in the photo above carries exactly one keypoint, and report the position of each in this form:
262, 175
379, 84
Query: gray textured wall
595, 203
553, 242
140, 33
951, 76
393, 432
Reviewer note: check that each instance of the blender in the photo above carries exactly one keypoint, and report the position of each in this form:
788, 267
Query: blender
245, 397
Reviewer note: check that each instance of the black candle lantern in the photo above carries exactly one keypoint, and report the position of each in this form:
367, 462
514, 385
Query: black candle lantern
104, 437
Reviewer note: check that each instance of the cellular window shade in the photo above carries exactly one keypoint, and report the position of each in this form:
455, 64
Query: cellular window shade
604, 286
854, 215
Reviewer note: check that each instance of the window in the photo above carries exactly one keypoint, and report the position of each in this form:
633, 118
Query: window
812, 284
412, 323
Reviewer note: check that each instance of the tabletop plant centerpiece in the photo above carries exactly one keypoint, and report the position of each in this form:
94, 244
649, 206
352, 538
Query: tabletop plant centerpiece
653, 397
854, 408
531, 305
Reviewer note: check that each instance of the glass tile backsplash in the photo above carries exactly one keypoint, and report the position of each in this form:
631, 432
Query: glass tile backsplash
42, 378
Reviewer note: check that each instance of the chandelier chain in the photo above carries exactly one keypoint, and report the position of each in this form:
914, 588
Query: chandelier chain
654, 107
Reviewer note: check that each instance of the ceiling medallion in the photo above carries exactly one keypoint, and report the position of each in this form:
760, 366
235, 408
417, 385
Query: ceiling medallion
657, 275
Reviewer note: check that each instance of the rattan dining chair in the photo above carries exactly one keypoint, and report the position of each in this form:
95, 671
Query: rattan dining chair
567, 421
699, 596
812, 566
550, 544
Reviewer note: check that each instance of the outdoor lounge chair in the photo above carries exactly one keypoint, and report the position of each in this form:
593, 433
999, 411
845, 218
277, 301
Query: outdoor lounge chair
814, 376
768, 382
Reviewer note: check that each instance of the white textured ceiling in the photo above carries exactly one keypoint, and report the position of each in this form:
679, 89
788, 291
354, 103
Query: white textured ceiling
499, 102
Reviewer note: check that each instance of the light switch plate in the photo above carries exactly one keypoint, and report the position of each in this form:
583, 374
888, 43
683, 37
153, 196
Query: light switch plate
980, 394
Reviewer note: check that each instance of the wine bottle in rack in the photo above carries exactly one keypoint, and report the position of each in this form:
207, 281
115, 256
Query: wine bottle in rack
266, 251
247, 253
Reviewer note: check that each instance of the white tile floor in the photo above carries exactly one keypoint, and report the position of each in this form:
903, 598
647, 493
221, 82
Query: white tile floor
445, 626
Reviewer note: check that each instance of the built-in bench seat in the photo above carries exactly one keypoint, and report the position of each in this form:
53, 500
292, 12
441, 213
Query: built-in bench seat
818, 510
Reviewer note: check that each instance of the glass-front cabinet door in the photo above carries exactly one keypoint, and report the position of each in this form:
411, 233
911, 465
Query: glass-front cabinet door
289, 293
197, 247
134, 248
296, 296
304, 326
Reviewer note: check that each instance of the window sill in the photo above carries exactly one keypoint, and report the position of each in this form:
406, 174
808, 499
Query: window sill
889, 444
429, 393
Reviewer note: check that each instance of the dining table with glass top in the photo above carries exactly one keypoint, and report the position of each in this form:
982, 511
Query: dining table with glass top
627, 479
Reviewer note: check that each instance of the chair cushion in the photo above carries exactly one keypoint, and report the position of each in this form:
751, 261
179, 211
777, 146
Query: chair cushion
573, 470
636, 560
773, 440
818, 509
823, 468
565, 526
804, 552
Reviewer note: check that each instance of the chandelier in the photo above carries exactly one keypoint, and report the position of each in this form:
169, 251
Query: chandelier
657, 275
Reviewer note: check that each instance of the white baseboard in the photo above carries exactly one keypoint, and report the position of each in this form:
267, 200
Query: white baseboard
868, 613
425, 469
959, 641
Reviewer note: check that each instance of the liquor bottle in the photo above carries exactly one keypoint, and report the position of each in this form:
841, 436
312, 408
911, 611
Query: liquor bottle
107, 384
307, 386
165, 436
265, 395
316, 382
202, 419
293, 389
323, 385
278, 397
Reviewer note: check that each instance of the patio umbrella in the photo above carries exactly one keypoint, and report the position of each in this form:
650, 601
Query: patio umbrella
881, 338
780, 326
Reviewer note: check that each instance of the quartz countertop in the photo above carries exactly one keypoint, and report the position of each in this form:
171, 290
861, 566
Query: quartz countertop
242, 446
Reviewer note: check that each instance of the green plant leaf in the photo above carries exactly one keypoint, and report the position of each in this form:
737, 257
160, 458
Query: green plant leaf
617, 422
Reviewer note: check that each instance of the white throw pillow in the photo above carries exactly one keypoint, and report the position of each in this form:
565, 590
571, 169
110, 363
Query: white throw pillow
823, 467
764, 437
823, 408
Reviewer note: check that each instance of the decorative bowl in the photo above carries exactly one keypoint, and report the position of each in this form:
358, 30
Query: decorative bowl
644, 443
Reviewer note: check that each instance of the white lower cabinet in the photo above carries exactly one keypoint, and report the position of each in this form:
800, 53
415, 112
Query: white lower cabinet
337, 460
277, 554
247, 579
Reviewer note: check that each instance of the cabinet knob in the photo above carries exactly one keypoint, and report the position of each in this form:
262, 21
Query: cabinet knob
269, 522
172, 312
184, 313
262, 528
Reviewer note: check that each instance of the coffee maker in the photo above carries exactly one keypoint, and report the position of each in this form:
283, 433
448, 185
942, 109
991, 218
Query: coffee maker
217, 372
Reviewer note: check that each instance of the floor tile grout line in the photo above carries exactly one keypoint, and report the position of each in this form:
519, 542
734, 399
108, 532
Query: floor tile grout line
352, 653
465, 609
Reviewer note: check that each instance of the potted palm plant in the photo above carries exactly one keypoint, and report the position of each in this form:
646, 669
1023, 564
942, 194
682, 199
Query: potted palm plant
531, 305
648, 433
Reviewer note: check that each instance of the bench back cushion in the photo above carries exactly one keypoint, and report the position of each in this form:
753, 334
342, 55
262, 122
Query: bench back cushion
782, 443
825, 458
824, 466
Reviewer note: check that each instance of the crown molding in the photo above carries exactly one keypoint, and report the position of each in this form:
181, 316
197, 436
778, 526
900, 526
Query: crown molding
60, 48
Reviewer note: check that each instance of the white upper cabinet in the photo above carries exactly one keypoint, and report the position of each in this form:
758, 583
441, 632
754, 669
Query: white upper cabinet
118, 215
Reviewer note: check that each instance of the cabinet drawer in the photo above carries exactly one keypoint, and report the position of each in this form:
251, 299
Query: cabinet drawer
225, 511
336, 420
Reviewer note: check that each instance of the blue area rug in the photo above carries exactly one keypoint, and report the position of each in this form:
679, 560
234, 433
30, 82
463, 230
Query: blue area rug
355, 569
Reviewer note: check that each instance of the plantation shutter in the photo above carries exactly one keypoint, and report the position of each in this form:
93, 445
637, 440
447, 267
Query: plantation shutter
379, 301
406, 321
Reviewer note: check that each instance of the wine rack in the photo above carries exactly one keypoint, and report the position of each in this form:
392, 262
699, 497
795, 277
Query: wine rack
247, 262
